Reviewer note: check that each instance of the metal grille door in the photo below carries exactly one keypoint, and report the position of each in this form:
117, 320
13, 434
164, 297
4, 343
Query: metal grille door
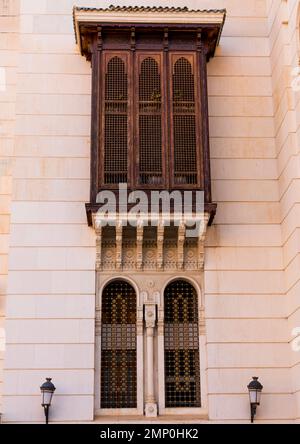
118, 346
182, 371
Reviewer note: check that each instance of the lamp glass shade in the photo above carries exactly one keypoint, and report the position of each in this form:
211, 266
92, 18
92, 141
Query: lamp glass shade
46, 397
47, 390
255, 389
253, 394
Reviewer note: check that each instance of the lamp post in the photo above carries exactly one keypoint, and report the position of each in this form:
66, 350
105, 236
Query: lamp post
255, 389
47, 390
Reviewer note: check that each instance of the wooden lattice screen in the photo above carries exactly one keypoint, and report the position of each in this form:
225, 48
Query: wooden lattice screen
116, 122
184, 123
182, 367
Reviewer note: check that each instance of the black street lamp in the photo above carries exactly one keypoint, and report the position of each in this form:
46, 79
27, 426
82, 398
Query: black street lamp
255, 389
47, 390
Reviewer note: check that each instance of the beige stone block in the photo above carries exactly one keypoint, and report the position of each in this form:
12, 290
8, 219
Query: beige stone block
50, 331
6, 150
245, 26
243, 46
244, 282
248, 355
63, 408
260, 169
244, 236
54, 84
239, 86
235, 381
54, 105
3, 265
53, 125
54, 168
48, 212
59, 24
7, 112
4, 225
260, 306
243, 258
70, 382
290, 172
33, 7
240, 106
242, 148
295, 371
51, 190
290, 197
245, 331
52, 306
9, 41
288, 149
48, 282
54, 146
248, 213
239, 66
53, 43
50, 235
293, 299
292, 247
7, 128
241, 127
3, 284
5, 204
291, 222
245, 190
8, 58
52, 258
288, 126
8, 24
49, 356
272, 406
4, 242
292, 272
9, 7
2, 310
254, 8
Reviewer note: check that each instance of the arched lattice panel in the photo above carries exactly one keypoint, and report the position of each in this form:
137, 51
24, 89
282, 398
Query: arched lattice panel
118, 346
150, 121
116, 121
182, 368
184, 122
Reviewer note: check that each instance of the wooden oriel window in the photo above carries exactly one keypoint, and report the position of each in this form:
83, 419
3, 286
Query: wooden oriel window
150, 128
149, 125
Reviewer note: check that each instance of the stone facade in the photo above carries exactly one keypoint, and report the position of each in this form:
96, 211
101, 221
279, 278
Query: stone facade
48, 255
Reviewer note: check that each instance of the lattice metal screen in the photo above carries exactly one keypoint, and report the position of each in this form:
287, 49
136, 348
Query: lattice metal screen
182, 370
116, 122
150, 125
184, 123
118, 346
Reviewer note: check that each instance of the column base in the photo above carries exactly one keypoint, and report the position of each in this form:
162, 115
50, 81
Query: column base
151, 409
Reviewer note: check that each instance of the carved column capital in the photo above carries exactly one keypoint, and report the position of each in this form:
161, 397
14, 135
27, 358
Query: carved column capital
150, 317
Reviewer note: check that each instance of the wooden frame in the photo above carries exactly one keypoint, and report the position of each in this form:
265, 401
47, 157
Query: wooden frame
135, 42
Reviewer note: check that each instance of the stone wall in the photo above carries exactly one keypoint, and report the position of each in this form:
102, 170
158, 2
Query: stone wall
250, 287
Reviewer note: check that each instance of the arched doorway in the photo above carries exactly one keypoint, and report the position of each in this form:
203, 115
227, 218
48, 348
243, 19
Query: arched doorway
118, 346
181, 345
